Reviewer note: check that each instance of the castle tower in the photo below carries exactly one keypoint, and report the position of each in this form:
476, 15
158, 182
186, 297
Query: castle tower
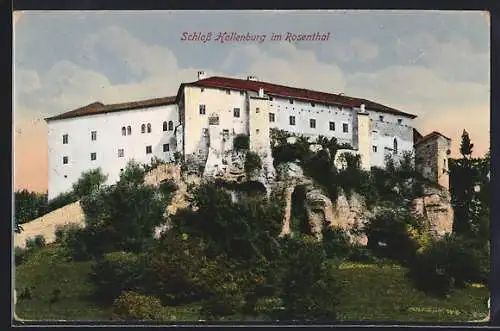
363, 137
431, 158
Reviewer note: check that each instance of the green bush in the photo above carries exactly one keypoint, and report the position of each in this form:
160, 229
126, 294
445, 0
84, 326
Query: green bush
450, 262
29, 206
61, 200
35, 243
252, 162
88, 182
134, 306
20, 255
388, 234
116, 272
241, 142
310, 286
173, 269
336, 243
73, 239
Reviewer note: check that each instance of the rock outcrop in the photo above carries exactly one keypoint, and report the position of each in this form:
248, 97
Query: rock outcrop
435, 207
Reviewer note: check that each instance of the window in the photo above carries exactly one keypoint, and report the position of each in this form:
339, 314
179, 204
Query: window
292, 120
165, 126
270, 98
149, 150
65, 160
93, 135
257, 110
345, 127
170, 126
166, 147
121, 152
65, 139
374, 149
381, 118
395, 146
236, 112
202, 109
291, 101
312, 104
400, 121
257, 131
271, 117
312, 123
93, 156
124, 131
149, 128
332, 126
143, 128
129, 130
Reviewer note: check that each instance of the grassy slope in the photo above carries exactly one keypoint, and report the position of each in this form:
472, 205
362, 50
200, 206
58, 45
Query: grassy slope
370, 292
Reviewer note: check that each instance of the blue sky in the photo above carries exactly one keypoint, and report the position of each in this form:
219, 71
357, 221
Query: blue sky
432, 64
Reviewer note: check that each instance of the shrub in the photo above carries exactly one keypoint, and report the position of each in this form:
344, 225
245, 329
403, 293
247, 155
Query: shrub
35, 243
310, 288
88, 182
116, 272
153, 164
446, 263
61, 200
134, 306
72, 239
252, 162
241, 142
336, 243
19, 255
173, 269
29, 205
388, 234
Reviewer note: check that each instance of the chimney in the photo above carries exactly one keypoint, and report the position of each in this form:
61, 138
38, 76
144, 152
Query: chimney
261, 93
251, 78
362, 108
201, 75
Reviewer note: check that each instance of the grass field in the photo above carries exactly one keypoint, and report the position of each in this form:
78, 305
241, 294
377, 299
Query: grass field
369, 292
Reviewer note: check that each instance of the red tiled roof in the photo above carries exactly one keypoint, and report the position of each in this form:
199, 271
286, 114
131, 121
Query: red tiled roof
295, 93
433, 134
100, 108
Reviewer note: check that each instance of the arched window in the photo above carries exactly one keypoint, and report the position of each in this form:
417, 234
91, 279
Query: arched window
143, 128
149, 128
395, 147
170, 126
165, 126
124, 131
129, 130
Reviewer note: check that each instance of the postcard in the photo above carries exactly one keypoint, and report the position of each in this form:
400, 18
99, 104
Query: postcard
243, 166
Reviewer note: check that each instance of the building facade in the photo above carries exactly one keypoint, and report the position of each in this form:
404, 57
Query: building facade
431, 157
202, 121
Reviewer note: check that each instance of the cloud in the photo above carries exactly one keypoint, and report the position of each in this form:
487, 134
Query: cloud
364, 50
454, 59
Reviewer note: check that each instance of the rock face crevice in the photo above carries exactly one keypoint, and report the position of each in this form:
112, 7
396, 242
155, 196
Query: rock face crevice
350, 212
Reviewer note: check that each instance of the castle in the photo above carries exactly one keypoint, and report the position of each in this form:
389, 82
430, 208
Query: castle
205, 116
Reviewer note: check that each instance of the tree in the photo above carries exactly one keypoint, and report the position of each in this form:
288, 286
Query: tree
88, 182
462, 188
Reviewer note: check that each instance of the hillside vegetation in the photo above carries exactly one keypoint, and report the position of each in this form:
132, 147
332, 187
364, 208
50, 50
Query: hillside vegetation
221, 258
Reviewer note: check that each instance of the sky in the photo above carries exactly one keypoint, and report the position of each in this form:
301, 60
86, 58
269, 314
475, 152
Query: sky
433, 64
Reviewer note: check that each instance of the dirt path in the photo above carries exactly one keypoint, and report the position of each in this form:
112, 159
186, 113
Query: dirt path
46, 225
